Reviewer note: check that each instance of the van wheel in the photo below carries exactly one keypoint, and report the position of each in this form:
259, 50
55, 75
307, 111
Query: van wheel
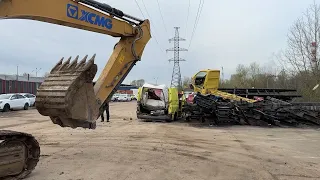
6, 108
26, 106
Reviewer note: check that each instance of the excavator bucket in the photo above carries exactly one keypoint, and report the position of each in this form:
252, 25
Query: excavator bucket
67, 95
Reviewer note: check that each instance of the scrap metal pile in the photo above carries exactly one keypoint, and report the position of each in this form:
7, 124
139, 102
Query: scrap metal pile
268, 112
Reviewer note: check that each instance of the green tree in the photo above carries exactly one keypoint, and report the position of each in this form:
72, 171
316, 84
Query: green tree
138, 83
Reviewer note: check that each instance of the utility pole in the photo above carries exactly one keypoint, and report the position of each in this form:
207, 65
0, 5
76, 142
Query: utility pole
156, 79
17, 72
176, 74
222, 73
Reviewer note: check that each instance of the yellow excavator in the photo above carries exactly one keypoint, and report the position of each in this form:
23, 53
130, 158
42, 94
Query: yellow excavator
68, 95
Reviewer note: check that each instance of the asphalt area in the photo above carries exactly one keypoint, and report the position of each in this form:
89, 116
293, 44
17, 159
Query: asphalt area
129, 149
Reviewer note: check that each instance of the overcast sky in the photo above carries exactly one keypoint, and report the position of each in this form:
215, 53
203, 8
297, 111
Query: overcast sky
229, 32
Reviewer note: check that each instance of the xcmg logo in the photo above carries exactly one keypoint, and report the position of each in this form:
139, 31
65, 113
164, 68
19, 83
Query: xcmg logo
89, 17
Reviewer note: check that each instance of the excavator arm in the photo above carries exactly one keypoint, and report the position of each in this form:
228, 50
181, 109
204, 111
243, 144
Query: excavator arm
68, 95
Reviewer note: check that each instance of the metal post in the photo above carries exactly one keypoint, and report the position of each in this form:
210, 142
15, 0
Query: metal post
17, 71
156, 79
5, 84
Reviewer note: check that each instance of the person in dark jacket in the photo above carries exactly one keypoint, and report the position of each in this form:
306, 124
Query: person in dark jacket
105, 108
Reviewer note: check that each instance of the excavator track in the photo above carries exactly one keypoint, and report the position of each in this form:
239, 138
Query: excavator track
19, 154
67, 94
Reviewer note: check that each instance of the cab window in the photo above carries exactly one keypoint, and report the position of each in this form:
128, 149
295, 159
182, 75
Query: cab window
200, 78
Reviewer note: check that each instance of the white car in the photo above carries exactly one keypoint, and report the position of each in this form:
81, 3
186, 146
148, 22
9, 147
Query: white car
115, 97
13, 101
129, 97
124, 97
31, 97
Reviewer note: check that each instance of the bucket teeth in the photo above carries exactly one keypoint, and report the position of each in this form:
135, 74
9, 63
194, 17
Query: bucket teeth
67, 93
56, 67
89, 63
71, 67
73, 64
64, 65
82, 62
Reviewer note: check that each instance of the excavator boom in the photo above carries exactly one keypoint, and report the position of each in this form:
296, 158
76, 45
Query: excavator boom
68, 95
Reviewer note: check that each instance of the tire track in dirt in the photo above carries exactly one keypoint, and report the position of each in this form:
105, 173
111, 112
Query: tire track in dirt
25, 123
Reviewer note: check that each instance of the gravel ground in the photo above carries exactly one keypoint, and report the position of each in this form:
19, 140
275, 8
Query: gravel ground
129, 149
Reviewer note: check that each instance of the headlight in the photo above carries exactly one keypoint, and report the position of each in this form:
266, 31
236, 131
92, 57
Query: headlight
0, 102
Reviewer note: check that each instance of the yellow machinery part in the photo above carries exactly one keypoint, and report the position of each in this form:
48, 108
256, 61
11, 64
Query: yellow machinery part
67, 95
173, 102
207, 82
139, 94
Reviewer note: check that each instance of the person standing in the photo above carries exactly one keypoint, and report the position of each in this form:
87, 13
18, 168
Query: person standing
105, 108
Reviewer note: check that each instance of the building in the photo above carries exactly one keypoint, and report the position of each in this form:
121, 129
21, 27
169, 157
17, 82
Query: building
126, 89
25, 84
19, 84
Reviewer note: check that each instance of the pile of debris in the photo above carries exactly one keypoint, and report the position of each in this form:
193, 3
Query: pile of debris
268, 112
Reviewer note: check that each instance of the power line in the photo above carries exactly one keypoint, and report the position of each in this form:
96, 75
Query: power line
199, 14
196, 21
140, 9
164, 25
187, 18
145, 7
155, 38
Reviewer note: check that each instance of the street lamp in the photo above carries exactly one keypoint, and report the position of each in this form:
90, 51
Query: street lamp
156, 79
36, 70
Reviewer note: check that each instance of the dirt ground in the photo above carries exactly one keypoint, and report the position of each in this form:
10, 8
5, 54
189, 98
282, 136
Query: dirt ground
126, 149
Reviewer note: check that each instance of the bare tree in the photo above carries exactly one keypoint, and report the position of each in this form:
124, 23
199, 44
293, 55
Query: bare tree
46, 74
186, 81
138, 83
301, 56
303, 37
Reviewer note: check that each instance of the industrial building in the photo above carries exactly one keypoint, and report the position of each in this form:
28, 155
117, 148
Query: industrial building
27, 84
19, 84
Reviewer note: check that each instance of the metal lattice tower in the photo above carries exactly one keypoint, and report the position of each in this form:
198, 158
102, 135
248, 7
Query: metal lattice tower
176, 74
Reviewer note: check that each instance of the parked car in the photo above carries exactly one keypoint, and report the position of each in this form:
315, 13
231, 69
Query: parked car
129, 97
124, 97
115, 97
13, 102
31, 97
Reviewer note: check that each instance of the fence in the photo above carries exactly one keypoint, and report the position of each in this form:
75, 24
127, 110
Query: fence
13, 86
